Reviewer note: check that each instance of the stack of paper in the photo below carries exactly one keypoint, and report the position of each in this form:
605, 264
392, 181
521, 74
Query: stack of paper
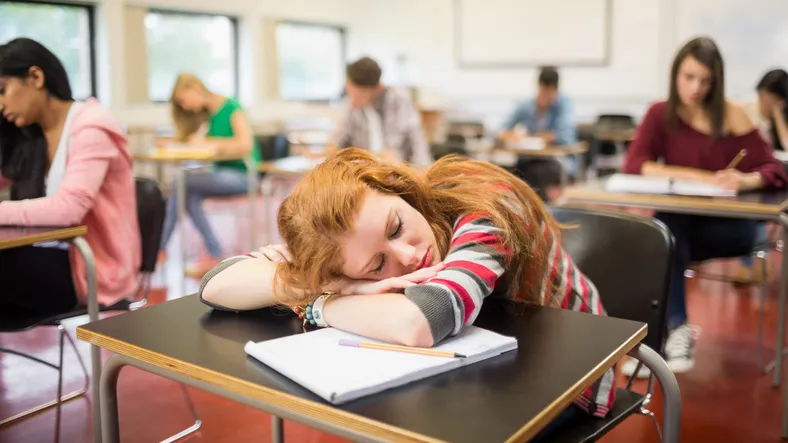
658, 185
316, 361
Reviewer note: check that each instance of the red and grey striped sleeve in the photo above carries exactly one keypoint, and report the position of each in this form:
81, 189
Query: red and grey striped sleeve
475, 262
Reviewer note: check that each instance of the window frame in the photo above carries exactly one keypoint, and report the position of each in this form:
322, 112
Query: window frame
344, 43
235, 46
90, 8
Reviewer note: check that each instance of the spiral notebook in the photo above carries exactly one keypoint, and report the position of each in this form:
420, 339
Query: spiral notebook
339, 374
638, 184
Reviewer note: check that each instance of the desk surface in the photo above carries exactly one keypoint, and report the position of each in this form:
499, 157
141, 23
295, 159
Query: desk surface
14, 236
293, 165
766, 203
512, 396
548, 151
183, 155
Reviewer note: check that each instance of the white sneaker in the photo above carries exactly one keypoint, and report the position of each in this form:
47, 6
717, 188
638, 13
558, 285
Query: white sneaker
628, 368
680, 348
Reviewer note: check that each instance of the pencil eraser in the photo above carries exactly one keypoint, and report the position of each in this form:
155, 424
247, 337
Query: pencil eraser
348, 342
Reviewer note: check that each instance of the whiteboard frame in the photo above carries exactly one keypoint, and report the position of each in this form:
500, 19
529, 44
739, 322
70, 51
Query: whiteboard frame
603, 62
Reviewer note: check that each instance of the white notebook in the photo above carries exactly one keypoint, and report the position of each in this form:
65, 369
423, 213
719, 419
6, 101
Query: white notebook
317, 361
659, 185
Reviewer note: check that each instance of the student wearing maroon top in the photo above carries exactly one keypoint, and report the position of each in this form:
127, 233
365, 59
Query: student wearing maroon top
694, 135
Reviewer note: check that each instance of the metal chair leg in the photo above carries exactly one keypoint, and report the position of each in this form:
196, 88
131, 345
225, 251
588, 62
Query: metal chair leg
762, 255
61, 398
197, 421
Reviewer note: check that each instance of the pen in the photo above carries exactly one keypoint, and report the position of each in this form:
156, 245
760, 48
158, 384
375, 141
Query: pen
410, 350
737, 159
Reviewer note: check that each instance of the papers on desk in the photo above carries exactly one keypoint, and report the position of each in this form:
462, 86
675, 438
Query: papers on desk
190, 151
297, 164
657, 185
781, 156
316, 361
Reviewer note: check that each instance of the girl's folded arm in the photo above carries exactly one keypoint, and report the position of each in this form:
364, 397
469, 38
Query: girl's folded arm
240, 284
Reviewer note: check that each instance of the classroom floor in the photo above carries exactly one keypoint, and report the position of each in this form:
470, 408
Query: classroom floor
725, 398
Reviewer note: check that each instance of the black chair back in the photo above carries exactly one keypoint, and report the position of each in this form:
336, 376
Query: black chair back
273, 146
150, 213
616, 121
628, 258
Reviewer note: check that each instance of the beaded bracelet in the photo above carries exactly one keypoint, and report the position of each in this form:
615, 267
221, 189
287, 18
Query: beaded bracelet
312, 312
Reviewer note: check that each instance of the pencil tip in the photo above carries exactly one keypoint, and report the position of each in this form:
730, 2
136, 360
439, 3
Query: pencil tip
460, 355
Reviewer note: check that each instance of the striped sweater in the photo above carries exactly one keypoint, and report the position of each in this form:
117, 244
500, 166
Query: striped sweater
476, 263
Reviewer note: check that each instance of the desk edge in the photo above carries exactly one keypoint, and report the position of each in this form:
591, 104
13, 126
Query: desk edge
647, 200
281, 399
57, 234
550, 412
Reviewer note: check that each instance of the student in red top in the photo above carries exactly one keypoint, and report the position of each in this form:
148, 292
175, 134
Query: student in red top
449, 237
695, 135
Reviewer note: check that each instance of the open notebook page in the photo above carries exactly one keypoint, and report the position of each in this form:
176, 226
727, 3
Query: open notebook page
658, 185
339, 374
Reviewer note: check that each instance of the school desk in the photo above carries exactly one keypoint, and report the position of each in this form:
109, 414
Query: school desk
183, 158
15, 237
508, 157
511, 396
765, 205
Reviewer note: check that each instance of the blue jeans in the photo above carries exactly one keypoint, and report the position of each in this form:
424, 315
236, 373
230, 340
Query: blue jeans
701, 238
221, 183
761, 238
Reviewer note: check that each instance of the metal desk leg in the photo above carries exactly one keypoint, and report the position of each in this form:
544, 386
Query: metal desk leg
109, 399
181, 193
780, 342
93, 313
671, 421
277, 430
251, 177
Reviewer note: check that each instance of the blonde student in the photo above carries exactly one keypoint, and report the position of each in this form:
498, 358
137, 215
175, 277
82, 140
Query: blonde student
449, 237
228, 129
67, 164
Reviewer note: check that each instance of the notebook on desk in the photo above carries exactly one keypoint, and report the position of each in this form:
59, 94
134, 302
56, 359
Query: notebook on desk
658, 185
316, 361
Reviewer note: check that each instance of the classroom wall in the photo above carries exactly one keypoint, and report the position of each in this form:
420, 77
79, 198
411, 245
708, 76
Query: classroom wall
642, 44
413, 39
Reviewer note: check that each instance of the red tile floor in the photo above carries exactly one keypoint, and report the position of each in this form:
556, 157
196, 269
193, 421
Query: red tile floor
725, 398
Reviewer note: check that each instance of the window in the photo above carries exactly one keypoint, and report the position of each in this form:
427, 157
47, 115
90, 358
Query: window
200, 44
311, 61
65, 29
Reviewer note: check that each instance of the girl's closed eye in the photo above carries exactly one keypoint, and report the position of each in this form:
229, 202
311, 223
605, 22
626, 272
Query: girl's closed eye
398, 229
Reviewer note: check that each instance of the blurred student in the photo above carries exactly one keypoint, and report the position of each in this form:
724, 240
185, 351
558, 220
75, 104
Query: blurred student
773, 108
229, 131
67, 164
380, 119
694, 135
549, 116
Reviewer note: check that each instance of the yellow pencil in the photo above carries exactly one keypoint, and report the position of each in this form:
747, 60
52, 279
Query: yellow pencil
396, 348
737, 159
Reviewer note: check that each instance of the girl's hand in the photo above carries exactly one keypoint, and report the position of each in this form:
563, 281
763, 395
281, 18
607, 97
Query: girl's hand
275, 253
389, 285
778, 109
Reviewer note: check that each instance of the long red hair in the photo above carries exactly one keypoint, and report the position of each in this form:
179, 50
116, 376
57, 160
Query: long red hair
323, 205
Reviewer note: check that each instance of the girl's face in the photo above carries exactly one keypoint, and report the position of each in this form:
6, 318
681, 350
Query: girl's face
693, 81
21, 98
766, 103
190, 98
389, 238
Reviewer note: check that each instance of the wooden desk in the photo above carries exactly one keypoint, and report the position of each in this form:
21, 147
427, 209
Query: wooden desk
614, 135
15, 237
766, 206
180, 157
512, 396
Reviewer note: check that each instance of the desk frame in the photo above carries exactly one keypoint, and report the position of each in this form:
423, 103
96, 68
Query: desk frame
74, 236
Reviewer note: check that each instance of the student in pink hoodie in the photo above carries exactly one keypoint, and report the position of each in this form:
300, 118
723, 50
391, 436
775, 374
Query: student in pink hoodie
67, 164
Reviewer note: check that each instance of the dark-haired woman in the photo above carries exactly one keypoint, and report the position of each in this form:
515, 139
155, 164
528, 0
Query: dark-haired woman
694, 135
67, 164
773, 106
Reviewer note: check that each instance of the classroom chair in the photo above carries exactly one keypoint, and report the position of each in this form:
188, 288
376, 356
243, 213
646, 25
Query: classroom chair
628, 258
608, 150
150, 215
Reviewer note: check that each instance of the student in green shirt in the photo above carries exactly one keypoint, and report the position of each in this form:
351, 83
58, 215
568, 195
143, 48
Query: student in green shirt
193, 106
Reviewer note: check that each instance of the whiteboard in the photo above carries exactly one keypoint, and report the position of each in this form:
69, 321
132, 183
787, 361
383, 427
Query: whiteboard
522, 33
752, 36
